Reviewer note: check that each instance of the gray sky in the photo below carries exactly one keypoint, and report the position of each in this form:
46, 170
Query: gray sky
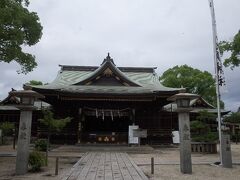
136, 33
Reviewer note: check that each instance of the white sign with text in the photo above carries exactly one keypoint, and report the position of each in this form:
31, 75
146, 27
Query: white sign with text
131, 138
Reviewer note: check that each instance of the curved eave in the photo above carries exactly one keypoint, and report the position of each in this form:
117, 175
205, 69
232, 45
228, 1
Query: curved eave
101, 69
215, 111
202, 99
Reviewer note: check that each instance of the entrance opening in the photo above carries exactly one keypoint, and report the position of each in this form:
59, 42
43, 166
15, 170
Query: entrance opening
93, 124
107, 129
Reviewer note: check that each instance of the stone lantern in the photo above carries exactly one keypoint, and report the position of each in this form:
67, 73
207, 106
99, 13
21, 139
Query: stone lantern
26, 106
183, 109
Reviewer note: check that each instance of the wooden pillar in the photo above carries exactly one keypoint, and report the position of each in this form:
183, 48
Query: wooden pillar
80, 124
233, 129
133, 116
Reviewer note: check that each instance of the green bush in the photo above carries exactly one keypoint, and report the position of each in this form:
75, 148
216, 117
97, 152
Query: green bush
200, 130
208, 137
41, 144
36, 161
7, 130
199, 127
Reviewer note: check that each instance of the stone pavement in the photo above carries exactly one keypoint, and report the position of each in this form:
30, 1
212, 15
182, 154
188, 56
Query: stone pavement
105, 166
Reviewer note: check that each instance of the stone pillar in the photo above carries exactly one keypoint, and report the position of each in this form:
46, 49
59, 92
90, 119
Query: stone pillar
185, 143
226, 151
183, 108
26, 106
24, 135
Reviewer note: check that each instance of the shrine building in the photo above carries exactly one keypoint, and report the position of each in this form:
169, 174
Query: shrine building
105, 100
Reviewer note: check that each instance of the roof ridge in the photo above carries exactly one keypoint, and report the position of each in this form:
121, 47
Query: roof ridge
121, 68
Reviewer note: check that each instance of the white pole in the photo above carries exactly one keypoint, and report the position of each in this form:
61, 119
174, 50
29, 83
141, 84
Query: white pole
215, 49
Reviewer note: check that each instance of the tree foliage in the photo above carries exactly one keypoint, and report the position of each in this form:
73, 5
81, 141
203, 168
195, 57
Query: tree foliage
7, 129
234, 48
194, 80
35, 161
35, 83
206, 116
200, 130
198, 126
18, 27
53, 124
234, 117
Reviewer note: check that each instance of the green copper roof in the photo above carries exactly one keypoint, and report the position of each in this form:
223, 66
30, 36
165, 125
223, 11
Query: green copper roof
71, 78
65, 79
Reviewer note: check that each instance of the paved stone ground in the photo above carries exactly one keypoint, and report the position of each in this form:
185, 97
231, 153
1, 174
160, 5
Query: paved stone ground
105, 166
166, 163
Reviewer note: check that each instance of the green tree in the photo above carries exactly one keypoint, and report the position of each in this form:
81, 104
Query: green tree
18, 28
234, 120
206, 116
7, 129
198, 127
35, 83
194, 80
200, 130
52, 124
234, 117
234, 48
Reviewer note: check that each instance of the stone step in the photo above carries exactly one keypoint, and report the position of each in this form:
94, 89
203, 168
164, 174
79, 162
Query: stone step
104, 148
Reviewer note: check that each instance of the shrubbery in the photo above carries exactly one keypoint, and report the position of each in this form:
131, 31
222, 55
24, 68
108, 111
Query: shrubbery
209, 137
7, 129
41, 144
200, 130
36, 161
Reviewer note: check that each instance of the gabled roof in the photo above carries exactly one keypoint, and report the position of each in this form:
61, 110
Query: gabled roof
201, 103
81, 79
198, 104
10, 100
108, 68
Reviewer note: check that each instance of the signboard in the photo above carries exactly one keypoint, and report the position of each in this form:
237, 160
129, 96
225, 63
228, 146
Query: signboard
131, 138
176, 139
140, 133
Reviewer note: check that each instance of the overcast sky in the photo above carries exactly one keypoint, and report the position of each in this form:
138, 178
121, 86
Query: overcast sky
136, 33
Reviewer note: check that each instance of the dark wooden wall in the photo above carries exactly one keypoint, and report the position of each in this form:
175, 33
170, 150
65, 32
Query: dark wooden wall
148, 116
